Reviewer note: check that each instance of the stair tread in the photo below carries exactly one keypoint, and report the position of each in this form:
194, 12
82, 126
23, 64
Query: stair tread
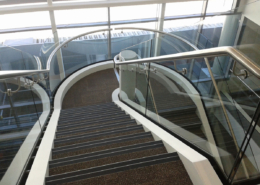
103, 144
96, 136
105, 151
93, 130
93, 127
124, 164
163, 173
83, 124
104, 160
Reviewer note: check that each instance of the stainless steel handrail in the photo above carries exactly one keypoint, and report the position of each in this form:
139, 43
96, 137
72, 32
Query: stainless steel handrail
240, 57
67, 41
17, 73
212, 52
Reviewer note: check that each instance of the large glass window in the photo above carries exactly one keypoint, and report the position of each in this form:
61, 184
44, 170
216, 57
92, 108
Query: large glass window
22, 20
219, 5
183, 8
175, 24
71, 32
133, 12
75, 16
24, 38
149, 25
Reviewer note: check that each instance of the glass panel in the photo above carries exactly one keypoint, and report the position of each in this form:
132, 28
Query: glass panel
76, 54
23, 20
187, 102
126, 12
249, 40
127, 90
23, 114
14, 59
135, 77
25, 38
128, 38
71, 32
180, 25
76, 16
219, 5
183, 8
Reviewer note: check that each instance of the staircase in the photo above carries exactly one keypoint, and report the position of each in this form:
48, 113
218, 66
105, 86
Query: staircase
178, 108
100, 144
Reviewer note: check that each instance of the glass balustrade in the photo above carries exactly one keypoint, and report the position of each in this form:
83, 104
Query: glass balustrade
24, 109
14, 59
198, 100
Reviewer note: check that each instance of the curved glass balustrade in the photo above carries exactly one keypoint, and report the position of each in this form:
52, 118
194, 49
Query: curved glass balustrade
14, 59
169, 91
213, 113
24, 111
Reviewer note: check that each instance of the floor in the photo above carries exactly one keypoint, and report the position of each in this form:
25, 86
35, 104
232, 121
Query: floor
94, 89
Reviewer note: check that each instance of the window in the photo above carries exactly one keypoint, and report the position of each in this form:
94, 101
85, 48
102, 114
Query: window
24, 38
183, 8
219, 5
71, 32
75, 16
181, 23
22, 20
149, 25
133, 12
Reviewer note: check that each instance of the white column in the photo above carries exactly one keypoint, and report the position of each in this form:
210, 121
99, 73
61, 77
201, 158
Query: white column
159, 26
56, 40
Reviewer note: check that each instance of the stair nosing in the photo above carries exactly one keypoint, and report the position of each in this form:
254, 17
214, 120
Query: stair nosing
61, 140
105, 153
91, 144
124, 164
94, 127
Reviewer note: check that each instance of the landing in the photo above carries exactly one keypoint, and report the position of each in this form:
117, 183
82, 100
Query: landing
94, 89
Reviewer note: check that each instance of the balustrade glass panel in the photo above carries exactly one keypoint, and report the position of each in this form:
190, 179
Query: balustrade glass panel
24, 109
200, 101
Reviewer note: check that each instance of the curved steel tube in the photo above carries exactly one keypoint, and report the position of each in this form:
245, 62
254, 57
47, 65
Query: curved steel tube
212, 52
67, 41
16, 73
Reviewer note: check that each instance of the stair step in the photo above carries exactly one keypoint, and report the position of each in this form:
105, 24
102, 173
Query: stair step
94, 129
98, 135
117, 154
110, 168
101, 119
103, 144
67, 127
86, 115
89, 107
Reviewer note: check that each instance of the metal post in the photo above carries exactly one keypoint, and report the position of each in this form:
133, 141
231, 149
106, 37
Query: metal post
17, 121
225, 113
109, 34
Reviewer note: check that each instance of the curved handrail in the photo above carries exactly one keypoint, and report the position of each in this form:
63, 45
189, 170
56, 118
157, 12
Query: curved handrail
67, 41
218, 51
240, 57
162, 32
16, 73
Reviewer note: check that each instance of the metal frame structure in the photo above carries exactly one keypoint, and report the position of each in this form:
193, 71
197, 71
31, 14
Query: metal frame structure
50, 6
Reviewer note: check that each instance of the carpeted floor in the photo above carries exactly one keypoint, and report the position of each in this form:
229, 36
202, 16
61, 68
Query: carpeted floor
94, 89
